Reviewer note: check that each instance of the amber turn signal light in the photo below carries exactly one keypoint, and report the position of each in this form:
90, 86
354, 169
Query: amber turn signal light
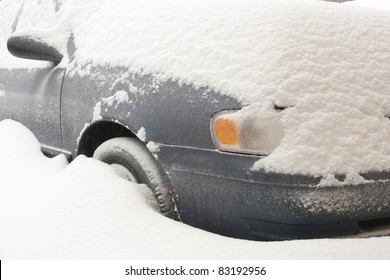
256, 132
226, 131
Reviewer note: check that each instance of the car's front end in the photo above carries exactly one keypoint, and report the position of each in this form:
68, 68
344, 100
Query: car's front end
219, 192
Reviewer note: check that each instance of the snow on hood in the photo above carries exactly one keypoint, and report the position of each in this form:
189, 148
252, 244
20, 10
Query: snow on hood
282, 50
328, 63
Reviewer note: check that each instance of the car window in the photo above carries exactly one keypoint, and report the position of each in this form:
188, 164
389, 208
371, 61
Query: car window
40, 14
25, 14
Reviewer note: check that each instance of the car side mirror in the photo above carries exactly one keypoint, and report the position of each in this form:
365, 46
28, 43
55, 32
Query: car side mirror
32, 47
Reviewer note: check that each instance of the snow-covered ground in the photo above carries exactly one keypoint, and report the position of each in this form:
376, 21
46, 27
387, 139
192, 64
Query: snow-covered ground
377, 4
52, 209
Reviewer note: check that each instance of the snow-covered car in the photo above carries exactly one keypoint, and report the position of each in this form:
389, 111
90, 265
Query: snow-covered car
252, 119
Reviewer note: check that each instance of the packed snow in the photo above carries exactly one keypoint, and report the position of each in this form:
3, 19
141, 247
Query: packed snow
118, 98
52, 209
141, 134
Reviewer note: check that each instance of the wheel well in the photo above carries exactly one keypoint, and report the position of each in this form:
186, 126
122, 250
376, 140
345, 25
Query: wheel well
98, 133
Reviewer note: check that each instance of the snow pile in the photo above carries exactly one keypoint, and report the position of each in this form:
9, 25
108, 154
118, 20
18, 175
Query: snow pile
49, 209
327, 62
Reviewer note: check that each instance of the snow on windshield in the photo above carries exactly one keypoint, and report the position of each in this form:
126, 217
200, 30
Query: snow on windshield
328, 63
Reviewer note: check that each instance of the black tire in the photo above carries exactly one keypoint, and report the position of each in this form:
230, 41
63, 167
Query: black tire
133, 155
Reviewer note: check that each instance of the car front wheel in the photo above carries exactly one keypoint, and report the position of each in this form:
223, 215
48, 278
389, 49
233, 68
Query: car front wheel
133, 161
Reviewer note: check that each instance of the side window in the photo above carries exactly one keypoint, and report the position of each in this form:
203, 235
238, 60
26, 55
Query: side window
37, 14
9, 11
25, 14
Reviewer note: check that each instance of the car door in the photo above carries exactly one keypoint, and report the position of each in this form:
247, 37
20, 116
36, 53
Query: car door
30, 90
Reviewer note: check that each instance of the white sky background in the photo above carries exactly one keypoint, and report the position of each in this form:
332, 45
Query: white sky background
49, 209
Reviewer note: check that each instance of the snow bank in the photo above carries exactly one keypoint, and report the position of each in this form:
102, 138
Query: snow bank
49, 209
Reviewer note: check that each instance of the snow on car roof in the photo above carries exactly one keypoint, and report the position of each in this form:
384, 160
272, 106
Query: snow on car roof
327, 63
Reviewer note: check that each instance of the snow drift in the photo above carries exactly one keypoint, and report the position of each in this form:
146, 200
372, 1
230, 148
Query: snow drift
50, 209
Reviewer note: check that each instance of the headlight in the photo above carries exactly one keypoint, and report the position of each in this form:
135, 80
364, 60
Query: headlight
235, 131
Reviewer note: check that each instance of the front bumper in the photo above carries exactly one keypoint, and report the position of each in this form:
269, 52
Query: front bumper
217, 192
